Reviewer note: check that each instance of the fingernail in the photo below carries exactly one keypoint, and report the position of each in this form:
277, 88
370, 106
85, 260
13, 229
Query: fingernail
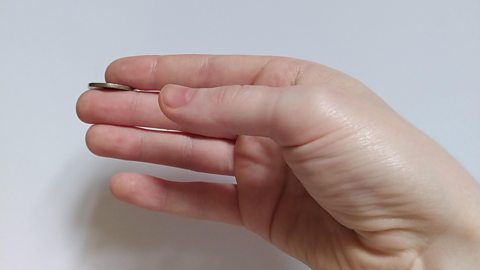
175, 96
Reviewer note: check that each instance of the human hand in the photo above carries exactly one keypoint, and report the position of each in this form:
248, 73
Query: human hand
324, 169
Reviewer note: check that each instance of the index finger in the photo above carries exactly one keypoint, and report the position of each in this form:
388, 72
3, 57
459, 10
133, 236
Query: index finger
153, 72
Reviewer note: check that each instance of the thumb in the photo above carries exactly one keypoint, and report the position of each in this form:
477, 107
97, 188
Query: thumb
229, 111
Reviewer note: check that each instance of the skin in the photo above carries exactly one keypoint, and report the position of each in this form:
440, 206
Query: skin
324, 169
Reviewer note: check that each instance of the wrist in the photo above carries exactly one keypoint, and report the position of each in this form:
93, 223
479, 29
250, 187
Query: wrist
453, 251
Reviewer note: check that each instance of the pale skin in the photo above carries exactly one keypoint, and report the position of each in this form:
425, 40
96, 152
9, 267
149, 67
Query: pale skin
324, 169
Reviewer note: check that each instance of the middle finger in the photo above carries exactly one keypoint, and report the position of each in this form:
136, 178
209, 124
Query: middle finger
123, 109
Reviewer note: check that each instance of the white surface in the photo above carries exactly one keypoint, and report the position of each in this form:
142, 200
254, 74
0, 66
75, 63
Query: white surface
422, 57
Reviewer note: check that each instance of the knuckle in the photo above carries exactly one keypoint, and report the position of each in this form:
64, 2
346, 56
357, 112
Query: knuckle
219, 96
282, 71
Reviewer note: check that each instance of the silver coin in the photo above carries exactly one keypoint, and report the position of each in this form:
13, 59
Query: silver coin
109, 86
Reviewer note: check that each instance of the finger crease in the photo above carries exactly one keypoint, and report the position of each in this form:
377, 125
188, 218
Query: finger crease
298, 75
261, 71
187, 152
154, 72
134, 109
142, 151
204, 71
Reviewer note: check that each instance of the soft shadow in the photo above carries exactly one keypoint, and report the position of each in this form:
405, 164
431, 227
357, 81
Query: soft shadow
114, 235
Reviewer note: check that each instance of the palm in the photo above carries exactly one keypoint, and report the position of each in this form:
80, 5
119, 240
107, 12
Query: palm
274, 204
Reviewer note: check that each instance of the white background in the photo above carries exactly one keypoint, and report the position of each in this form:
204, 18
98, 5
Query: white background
422, 57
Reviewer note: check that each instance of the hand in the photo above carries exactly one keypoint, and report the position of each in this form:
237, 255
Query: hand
324, 169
